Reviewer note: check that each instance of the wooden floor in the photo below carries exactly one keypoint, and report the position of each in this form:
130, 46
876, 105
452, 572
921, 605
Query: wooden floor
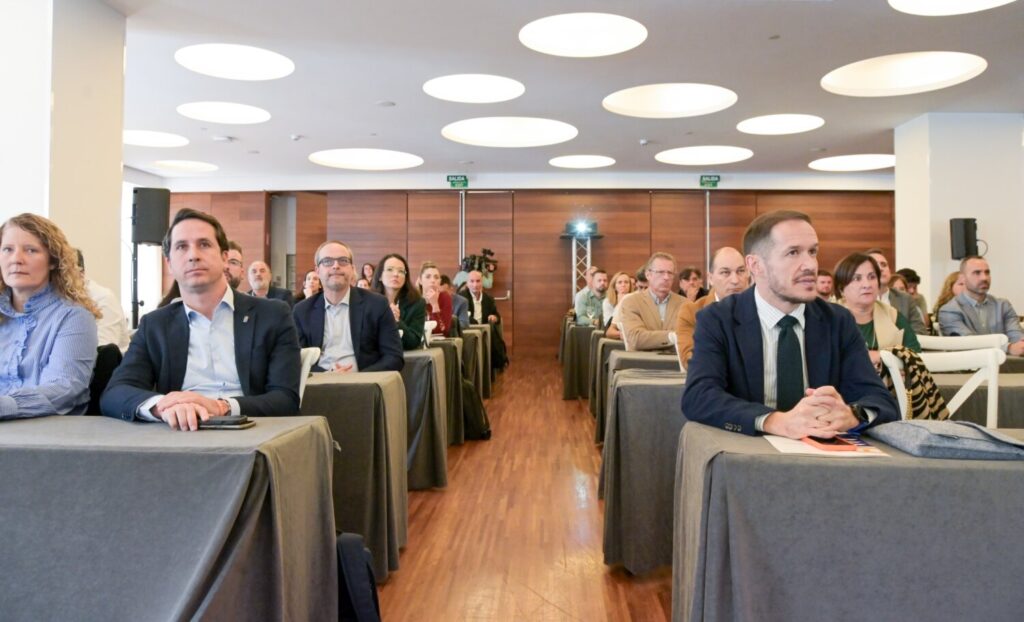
517, 533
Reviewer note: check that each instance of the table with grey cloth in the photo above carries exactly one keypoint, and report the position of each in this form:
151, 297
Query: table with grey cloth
1012, 365
487, 333
761, 535
452, 349
367, 415
576, 362
1011, 399
472, 355
644, 420
567, 321
621, 359
427, 456
483, 357
598, 364
102, 519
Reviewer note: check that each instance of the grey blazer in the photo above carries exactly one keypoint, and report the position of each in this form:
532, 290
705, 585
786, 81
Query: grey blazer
960, 317
904, 303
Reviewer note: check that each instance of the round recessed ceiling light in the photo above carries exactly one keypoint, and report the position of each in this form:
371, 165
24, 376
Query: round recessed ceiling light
583, 35
234, 62
509, 132
474, 88
185, 166
704, 155
933, 8
669, 101
903, 74
365, 159
857, 162
581, 161
224, 112
777, 124
149, 138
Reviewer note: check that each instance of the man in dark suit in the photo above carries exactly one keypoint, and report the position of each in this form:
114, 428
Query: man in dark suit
214, 352
776, 358
354, 328
483, 310
260, 280
901, 301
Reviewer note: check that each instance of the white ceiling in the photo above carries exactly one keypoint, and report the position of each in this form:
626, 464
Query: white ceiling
351, 54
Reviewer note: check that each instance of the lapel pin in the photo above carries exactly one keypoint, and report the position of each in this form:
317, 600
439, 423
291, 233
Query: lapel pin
245, 319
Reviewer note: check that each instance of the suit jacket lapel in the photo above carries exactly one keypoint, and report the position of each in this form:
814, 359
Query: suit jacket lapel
177, 350
748, 340
355, 317
817, 353
316, 322
245, 322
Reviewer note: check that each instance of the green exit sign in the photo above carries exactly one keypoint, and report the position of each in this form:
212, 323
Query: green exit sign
710, 181
458, 181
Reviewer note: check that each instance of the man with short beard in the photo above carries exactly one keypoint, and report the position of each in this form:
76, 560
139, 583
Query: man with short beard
234, 269
976, 312
728, 274
777, 359
590, 300
825, 286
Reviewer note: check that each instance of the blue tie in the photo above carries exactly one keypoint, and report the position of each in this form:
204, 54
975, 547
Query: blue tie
790, 366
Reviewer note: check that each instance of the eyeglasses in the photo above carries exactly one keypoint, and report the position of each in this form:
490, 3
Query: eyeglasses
395, 271
662, 272
327, 262
235, 263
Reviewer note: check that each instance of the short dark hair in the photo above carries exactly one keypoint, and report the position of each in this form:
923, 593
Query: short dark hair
963, 262
641, 274
875, 251
911, 275
689, 271
191, 214
600, 271
445, 280
759, 231
848, 265
823, 272
235, 246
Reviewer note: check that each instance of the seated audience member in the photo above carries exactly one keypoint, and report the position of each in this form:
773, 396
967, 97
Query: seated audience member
776, 358
648, 317
898, 283
728, 277
366, 272
976, 312
621, 286
953, 286
215, 352
234, 268
310, 286
47, 322
901, 301
438, 301
588, 276
354, 328
484, 310
825, 286
260, 280
640, 280
590, 301
691, 284
882, 326
111, 326
460, 306
913, 283
363, 284
391, 280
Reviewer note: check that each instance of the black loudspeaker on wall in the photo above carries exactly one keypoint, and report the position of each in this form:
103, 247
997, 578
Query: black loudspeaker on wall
150, 209
963, 237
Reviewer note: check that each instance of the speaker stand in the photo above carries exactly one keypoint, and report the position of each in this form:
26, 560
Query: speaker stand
135, 286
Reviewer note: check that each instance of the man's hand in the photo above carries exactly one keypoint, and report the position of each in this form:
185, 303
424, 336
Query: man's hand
216, 408
822, 413
1016, 349
839, 417
492, 319
342, 369
184, 416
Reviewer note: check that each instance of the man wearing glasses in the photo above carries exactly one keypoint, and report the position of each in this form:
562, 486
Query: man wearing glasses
234, 269
649, 317
354, 328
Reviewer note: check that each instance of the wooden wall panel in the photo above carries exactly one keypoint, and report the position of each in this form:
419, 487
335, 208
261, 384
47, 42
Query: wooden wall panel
489, 225
845, 221
372, 223
730, 212
677, 226
433, 230
543, 267
310, 231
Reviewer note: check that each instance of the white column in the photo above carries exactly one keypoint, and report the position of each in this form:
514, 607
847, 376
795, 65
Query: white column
62, 119
961, 166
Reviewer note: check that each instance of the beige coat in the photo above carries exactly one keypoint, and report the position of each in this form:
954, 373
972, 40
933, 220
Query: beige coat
642, 325
686, 323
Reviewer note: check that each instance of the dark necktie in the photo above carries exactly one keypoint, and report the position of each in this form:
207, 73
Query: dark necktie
790, 366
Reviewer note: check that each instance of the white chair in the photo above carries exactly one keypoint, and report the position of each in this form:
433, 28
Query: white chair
309, 357
428, 331
972, 342
985, 361
674, 338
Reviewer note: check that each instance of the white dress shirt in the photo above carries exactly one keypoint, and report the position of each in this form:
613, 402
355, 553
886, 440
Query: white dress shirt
478, 308
338, 346
769, 317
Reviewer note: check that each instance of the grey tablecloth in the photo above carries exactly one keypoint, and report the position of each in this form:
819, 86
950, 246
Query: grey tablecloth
106, 520
621, 359
644, 420
453, 388
487, 333
766, 536
598, 377
475, 339
427, 456
563, 329
1012, 365
367, 416
576, 362
1011, 399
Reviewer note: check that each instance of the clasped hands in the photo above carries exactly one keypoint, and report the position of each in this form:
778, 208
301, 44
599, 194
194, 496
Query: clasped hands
821, 413
183, 410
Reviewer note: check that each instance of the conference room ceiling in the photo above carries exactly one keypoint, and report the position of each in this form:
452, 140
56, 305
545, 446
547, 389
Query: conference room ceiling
353, 56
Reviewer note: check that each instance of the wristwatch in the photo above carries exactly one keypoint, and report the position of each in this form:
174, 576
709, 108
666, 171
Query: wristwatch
859, 412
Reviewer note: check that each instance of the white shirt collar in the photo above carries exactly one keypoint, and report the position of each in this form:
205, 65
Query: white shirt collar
344, 299
228, 299
770, 316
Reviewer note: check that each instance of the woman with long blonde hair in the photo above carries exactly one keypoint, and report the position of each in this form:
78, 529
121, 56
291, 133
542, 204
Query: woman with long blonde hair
621, 285
47, 322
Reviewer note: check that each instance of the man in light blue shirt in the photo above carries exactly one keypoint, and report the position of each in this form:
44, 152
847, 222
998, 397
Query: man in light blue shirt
975, 312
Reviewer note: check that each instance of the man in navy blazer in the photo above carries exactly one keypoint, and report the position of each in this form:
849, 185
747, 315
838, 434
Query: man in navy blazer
354, 328
214, 352
734, 380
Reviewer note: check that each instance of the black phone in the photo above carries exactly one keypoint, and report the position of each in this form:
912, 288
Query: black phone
227, 422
